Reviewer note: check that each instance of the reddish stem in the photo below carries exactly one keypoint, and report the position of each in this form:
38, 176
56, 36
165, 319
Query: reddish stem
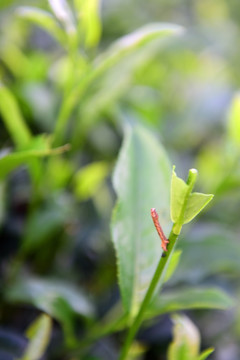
159, 229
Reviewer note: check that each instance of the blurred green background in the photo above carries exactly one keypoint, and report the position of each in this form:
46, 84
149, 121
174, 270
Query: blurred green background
55, 208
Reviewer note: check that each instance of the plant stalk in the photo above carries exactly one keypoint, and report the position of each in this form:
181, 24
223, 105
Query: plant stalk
158, 276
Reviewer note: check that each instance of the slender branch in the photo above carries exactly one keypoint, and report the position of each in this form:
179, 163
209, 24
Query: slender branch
158, 276
160, 270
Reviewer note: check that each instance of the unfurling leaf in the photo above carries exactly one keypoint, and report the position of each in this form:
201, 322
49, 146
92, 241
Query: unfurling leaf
185, 205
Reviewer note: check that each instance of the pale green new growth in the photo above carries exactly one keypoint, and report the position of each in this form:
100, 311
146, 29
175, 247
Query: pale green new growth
186, 341
13, 118
45, 20
185, 205
39, 336
234, 120
174, 261
196, 202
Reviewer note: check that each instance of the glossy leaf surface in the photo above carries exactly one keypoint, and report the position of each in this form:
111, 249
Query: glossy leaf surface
142, 181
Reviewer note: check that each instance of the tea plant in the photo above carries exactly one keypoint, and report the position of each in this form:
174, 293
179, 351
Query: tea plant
50, 104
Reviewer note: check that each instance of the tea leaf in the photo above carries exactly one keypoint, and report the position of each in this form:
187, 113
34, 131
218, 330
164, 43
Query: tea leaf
234, 120
142, 181
10, 161
196, 202
205, 354
174, 261
186, 340
89, 178
13, 119
43, 19
39, 336
178, 196
89, 20
64, 14
189, 298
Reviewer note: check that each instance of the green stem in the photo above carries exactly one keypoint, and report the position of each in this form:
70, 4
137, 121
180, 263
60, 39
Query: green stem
158, 276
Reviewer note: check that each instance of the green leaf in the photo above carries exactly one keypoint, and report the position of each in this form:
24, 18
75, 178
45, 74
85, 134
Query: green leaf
64, 14
45, 223
174, 261
43, 19
132, 42
210, 254
179, 191
13, 119
42, 293
234, 120
141, 180
205, 354
39, 335
186, 340
60, 299
89, 178
10, 161
89, 20
127, 45
189, 298
196, 202
184, 204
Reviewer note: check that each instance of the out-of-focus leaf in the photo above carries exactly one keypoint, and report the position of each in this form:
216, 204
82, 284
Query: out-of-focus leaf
189, 298
89, 178
45, 223
89, 20
15, 60
118, 51
43, 19
142, 181
234, 120
39, 335
186, 340
13, 160
174, 261
205, 354
43, 292
13, 119
215, 252
64, 14
60, 299
5, 3
134, 41
58, 172
196, 203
